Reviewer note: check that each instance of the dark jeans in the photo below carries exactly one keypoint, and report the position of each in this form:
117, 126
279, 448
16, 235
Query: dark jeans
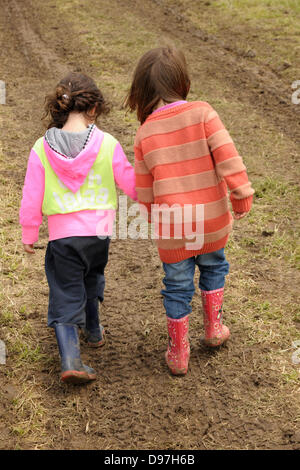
101, 287
75, 272
179, 280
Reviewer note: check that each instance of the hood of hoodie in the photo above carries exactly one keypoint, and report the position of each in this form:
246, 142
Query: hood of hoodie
73, 171
66, 143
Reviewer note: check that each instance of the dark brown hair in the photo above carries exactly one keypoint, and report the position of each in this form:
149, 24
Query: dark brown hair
75, 92
161, 74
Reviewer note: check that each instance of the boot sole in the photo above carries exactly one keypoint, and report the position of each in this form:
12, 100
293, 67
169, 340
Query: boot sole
77, 377
99, 344
176, 370
212, 343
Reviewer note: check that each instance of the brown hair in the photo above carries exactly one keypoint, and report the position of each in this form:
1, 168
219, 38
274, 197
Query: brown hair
161, 74
75, 92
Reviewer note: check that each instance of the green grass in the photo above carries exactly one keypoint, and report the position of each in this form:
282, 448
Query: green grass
268, 27
25, 353
261, 9
31, 413
7, 318
292, 377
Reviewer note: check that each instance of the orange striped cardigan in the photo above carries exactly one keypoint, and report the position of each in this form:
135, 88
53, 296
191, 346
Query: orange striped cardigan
185, 156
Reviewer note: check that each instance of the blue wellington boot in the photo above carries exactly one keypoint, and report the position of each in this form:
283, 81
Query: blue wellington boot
73, 370
94, 332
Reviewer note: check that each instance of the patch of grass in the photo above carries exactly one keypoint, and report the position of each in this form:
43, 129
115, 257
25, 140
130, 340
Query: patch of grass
292, 377
30, 413
283, 246
270, 28
296, 317
266, 9
7, 318
19, 431
275, 224
271, 187
25, 353
264, 311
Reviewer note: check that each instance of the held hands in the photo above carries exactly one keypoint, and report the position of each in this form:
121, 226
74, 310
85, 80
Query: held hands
28, 248
239, 215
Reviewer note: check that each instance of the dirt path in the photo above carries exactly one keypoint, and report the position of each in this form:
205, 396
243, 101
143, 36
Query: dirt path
242, 396
254, 82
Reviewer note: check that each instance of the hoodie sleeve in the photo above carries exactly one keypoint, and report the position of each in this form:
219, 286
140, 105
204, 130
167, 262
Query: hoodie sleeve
31, 215
124, 172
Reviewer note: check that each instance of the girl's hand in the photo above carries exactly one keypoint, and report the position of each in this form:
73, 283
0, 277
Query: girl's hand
28, 248
239, 215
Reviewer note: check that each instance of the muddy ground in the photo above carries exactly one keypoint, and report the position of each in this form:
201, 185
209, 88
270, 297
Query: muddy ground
243, 396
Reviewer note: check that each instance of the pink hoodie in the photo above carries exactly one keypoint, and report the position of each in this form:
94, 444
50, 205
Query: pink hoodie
72, 172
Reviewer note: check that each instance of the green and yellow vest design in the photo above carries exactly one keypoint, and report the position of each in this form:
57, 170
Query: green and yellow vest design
98, 192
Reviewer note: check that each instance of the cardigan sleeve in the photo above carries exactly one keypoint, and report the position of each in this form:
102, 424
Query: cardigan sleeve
228, 163
31, 215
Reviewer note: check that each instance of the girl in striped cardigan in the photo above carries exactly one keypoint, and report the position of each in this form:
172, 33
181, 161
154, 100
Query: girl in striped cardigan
185, 162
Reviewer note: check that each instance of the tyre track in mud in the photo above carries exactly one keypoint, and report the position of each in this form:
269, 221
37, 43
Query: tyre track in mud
36, 52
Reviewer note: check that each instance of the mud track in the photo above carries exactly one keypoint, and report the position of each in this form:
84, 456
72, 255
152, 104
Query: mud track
136, 403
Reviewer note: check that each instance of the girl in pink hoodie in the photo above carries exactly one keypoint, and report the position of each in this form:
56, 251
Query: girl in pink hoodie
71, 176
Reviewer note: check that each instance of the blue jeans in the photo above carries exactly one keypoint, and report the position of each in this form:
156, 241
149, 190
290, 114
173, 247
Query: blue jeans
179, 280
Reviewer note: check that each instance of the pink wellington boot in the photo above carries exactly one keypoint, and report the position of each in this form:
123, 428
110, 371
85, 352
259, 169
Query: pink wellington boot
178, 352
215, 332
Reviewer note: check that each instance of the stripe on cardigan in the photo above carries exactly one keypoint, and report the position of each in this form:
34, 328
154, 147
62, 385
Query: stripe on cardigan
177, 153
183, 183
185, 118
211, 237
201, 196
218, 139
186, 167
178, 137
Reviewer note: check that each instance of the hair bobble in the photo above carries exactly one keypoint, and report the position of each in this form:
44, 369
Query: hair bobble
76, 92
